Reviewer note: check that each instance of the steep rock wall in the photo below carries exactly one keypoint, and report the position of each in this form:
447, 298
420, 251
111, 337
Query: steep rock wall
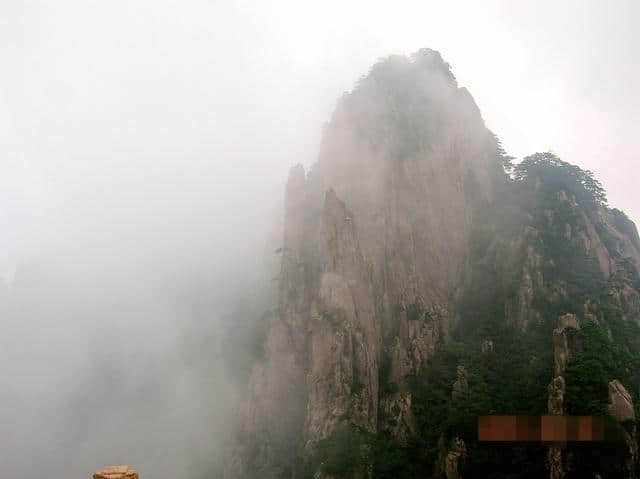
409, 155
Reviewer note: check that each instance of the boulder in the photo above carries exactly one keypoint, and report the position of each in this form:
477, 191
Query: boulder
116, 472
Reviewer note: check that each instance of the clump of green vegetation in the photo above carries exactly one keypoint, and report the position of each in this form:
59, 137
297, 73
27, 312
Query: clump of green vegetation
333, 317
590, 371
513, 379
415, 312
388, 389
357, 387
350, 449
386, 386
342, 454
555, 175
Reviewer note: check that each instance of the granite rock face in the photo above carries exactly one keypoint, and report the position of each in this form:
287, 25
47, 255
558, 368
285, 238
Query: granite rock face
556, 392
272, 414
461, 386
621, 407
561, 343
343, 331
454, 461
620, 402
375, 243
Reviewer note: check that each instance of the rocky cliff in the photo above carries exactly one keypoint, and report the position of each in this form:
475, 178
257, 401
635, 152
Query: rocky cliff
413, 269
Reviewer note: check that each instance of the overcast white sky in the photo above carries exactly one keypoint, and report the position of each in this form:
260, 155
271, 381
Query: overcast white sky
156, 122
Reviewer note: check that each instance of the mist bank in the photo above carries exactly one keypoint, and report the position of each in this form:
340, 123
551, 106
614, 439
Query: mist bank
111, 338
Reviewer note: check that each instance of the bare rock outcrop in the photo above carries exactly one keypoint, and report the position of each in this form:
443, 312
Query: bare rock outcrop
562, 351
594, 247
454, 461
461, 385
344, 332
555, 459
626, 297
116, 472
556, 391
487, 346
620, 402
271, 415
626, 240
520, 309
621, 407
561, 347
